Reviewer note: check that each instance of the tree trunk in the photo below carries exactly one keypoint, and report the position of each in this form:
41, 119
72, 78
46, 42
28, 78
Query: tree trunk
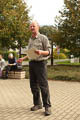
20, 51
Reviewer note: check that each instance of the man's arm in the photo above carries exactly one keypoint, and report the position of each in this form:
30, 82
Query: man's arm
23, 58
46, 47
41, 52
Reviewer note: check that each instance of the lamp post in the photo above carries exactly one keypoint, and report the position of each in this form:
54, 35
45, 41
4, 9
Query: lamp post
52, 53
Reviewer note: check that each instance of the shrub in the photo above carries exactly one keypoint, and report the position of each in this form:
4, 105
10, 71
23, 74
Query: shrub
64, 53
59, 56
62, 56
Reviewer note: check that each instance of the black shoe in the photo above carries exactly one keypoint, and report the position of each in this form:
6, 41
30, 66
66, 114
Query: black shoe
47, 111
36, 107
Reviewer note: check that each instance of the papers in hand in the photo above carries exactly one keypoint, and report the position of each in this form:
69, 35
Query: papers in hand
31, 54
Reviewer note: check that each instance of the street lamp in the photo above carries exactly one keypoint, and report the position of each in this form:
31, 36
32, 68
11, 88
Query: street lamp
51, 52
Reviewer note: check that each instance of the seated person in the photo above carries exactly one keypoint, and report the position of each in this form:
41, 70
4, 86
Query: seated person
2, 65
12, 64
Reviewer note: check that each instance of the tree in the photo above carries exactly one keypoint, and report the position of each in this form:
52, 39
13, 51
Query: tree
68, 25
14, 23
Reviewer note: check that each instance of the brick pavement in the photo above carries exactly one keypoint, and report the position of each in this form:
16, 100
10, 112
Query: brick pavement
16, 101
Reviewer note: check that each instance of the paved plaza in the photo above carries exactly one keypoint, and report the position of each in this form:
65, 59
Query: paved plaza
16, 101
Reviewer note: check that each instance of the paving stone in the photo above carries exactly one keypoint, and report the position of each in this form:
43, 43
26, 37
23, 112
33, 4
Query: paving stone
16, 101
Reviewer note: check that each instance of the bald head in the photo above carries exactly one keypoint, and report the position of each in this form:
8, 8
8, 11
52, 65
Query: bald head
35, 22
34, 27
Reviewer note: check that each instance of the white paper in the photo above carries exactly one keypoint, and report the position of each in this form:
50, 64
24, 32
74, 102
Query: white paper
31, 54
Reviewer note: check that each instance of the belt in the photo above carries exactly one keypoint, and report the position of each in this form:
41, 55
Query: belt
37, 61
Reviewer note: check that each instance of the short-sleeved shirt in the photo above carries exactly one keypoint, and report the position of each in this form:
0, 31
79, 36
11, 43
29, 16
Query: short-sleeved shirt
40, 42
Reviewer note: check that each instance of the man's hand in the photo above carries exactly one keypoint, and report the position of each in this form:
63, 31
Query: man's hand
38, 52
41, 52
20, 60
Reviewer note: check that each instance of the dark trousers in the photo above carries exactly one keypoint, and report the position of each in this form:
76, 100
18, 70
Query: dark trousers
38, 82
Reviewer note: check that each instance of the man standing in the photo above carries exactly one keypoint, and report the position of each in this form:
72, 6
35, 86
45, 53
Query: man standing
38, 69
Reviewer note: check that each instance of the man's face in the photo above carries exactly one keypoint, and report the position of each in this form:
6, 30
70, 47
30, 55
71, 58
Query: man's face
10, 57
34, 27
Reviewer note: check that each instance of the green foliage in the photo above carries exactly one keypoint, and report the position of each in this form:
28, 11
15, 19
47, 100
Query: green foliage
68, 24
61, 55
48, 31
6, 53
14, 23
65, 51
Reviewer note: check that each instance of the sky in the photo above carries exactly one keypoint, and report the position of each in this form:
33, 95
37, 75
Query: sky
44, 11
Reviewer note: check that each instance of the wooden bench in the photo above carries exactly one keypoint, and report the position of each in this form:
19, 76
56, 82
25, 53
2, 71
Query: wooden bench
15, 74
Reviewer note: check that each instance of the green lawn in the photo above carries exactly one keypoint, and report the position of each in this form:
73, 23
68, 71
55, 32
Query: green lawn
67, 63
61, 72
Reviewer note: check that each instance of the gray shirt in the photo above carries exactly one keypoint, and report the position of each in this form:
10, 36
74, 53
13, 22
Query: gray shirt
41, 42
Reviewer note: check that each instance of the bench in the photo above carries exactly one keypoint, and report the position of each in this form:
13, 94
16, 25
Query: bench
15, 74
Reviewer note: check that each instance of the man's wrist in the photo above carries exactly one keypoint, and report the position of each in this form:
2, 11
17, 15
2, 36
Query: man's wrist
45, 52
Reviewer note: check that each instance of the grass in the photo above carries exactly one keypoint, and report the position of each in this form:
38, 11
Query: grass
69, 73
61, 72
67, 63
